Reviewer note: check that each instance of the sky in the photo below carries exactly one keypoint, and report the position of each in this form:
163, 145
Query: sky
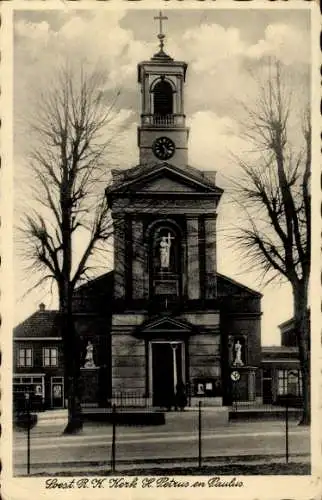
223, 48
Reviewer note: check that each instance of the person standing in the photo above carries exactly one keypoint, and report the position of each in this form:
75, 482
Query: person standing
180, 397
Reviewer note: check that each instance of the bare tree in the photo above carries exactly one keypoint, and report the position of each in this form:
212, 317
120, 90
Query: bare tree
274, 191
69, 167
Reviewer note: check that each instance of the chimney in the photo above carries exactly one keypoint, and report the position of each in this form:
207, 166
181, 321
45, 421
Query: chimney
42, 307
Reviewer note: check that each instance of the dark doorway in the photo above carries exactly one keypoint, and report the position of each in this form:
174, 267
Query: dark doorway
163, 98
57, 395
163, 372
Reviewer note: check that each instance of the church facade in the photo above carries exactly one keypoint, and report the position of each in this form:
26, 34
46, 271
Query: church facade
164, 317
175, 319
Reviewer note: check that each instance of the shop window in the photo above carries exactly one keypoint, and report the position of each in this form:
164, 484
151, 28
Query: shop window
50, 356
289, 382
25, 357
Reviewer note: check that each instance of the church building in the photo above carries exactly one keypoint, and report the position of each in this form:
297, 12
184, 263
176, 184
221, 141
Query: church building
175, 319
165, 316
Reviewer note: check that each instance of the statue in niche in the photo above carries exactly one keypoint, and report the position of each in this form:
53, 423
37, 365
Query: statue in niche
89, 359
165, 246
238, 352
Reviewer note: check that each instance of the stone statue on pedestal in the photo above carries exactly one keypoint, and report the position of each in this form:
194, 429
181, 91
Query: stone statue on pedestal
238, 348
89, 360
165, 245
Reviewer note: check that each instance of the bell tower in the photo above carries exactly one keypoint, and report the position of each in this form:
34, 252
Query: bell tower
175, 320
162, 134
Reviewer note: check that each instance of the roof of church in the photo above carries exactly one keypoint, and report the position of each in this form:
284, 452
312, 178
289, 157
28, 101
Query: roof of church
97, 283
104, 283
44, 323
224, 283
95, 296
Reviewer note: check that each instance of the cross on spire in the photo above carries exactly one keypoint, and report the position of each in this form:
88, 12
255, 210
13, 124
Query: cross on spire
161, 35
161, 18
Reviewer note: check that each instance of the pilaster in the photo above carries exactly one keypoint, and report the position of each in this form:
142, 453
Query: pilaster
193, 258
119, 257
252, 385
138, 259
210, 257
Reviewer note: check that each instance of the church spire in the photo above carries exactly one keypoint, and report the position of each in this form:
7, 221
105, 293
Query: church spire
161, 36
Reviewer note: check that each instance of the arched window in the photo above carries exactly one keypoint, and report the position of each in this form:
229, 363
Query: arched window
163, 98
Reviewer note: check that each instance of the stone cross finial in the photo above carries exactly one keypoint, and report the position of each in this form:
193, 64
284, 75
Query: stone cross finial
161, 35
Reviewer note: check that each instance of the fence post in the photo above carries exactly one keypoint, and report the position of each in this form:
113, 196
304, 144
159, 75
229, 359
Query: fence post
286, 431
113, 437
27, 399
199, 435
235, 395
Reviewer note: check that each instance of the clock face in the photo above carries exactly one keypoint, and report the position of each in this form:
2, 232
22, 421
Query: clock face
163, 148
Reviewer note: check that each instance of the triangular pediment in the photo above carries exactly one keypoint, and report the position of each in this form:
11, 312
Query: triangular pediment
162, 325
163, 178
165, 184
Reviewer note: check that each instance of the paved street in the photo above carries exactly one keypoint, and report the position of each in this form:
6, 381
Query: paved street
167, 443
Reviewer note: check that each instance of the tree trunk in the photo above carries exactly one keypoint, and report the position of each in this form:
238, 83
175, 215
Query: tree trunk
70, 337
75, 421
72, 370
301, 327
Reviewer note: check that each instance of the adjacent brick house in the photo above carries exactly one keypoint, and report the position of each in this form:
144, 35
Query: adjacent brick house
281, 367
38, 360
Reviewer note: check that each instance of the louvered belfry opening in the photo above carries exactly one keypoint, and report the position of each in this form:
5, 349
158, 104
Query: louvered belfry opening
163, 98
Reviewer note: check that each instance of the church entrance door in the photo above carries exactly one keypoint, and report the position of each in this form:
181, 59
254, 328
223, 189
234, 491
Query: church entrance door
167, 369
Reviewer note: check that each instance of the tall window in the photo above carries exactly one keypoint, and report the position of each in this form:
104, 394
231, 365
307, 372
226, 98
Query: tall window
163, 98
25, 357
50, 356
289, 382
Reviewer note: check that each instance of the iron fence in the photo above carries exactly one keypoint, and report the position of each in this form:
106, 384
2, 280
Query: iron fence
198, 423
240, 406
131, 399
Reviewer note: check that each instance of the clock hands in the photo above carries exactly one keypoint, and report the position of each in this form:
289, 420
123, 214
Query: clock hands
163, 148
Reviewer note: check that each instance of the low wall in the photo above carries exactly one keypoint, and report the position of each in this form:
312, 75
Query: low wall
205, 401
